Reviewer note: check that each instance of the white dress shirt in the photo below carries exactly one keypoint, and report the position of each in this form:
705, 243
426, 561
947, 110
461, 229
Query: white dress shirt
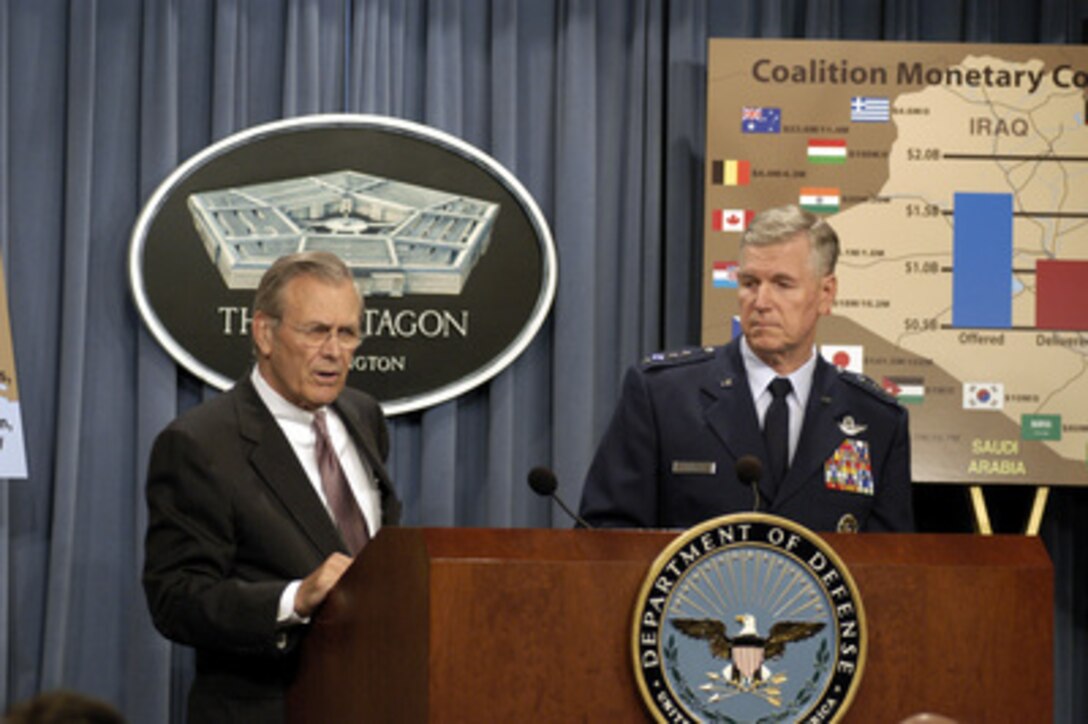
760, 376
297, 427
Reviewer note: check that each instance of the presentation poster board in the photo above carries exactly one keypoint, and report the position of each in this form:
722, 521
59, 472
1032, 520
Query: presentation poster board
12, 445
955, 176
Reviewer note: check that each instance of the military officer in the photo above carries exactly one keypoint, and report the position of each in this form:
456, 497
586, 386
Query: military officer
833, 448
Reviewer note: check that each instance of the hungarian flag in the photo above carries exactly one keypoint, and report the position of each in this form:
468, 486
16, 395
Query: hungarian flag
731, 219
827, 150
731, 173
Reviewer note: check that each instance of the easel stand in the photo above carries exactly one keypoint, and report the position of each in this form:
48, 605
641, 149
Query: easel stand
982, 515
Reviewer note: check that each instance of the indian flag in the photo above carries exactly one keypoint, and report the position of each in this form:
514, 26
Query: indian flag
731, 173
827, 150
731, 219
820, 200
908, 390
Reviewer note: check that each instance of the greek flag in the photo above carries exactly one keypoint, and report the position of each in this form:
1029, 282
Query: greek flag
868, 109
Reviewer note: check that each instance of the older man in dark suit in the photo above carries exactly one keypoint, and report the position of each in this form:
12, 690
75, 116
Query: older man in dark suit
259, 498
834, 447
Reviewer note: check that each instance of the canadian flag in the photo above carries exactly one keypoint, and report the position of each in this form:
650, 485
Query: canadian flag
731, 219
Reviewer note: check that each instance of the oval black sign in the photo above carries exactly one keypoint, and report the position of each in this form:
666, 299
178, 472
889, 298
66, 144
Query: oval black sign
454, 257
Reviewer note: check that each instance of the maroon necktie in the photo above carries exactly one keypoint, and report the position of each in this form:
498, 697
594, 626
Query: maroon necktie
345, 509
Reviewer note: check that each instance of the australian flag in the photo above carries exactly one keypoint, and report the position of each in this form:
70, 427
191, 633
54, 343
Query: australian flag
755, 119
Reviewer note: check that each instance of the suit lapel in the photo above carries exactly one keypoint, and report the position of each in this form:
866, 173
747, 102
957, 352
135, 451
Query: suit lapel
730, 411
366, 445
820, 433
275, 462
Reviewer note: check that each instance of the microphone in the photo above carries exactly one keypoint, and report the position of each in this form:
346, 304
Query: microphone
749, 469
543, 482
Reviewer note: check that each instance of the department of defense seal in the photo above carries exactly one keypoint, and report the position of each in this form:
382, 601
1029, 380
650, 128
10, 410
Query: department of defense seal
748, 618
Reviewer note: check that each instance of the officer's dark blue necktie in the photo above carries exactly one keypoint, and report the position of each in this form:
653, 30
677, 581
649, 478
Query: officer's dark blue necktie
776, 431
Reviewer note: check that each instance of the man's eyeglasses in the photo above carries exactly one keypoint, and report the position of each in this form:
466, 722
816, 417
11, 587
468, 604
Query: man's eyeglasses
317, 335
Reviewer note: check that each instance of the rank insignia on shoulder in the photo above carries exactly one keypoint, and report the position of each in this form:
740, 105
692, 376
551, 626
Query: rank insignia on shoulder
677, 357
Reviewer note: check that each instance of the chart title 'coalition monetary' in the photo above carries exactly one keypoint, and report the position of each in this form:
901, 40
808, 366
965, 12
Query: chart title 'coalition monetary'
820, 71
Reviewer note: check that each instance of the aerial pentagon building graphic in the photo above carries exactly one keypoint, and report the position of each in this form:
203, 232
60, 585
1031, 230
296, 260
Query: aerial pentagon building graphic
397, 238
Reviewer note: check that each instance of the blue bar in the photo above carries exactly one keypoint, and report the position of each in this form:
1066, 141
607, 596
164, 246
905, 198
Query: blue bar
982, 260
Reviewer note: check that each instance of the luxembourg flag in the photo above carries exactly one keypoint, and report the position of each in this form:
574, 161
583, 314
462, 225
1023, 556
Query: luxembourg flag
827, 150
820, 200
731, 219
724, 275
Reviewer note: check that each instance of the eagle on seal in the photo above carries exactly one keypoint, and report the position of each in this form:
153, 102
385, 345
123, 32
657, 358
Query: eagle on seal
746, 651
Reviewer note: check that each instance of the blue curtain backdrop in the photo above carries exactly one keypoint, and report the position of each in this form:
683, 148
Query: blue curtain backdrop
596, 106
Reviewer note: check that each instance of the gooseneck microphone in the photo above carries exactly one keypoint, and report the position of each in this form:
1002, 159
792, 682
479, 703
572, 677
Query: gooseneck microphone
749, 469
543, 482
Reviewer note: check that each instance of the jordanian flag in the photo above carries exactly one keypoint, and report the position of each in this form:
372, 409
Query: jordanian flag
827, 150
908, 390
820, 200
731, 173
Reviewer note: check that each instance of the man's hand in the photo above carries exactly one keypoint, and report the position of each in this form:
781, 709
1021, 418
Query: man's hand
316, 586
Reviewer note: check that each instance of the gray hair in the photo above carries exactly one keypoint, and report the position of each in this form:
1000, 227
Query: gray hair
782, 223
323, 265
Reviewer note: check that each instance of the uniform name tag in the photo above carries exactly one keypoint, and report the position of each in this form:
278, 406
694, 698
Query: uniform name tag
694, 467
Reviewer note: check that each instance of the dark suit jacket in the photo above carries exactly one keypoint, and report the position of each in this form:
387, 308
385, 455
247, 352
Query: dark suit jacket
232, 520
683, 414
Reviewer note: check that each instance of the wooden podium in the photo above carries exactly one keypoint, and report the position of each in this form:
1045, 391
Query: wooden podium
451, 625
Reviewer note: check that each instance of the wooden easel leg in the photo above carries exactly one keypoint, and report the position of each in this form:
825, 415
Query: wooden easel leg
982, 516
1038, 507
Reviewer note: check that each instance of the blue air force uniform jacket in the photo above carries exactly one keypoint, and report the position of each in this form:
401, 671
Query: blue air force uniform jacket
667, 459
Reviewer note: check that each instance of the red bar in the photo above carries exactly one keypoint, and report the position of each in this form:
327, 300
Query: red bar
1061, 289
827, 142
744, 172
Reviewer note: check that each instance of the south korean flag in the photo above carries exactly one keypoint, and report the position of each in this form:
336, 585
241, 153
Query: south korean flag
983, 396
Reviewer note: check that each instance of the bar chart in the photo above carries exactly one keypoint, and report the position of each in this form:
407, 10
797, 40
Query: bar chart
983, 277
